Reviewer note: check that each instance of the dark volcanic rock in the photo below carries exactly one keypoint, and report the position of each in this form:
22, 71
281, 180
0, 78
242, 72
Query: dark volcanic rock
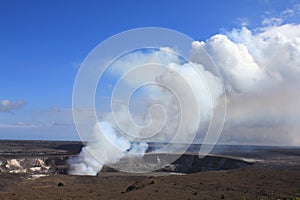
192, 163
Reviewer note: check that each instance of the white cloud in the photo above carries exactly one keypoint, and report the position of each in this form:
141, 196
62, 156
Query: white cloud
263, 69
294, 11
288, 13
7, 105
273, 21
272, 18
237, 65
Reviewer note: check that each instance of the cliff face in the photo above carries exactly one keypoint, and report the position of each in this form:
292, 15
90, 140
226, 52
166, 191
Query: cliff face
35, 165
192, 164
184, 164
36, 157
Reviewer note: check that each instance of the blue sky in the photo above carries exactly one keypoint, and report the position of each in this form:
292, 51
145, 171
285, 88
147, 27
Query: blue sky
42, 44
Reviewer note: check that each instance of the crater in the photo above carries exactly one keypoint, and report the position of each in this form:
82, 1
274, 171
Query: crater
185, 164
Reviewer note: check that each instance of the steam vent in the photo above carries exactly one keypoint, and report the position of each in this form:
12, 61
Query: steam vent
50, 157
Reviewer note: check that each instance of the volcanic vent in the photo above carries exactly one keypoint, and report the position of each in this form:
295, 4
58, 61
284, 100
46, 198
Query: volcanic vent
51, 157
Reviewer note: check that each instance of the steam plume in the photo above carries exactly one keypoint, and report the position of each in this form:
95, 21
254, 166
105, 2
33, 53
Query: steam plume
260, 72
107, 148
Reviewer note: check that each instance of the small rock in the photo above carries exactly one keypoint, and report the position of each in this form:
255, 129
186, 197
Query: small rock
60, 184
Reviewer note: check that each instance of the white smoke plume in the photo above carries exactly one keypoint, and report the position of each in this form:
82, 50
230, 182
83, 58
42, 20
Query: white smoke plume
260, 72
106, 148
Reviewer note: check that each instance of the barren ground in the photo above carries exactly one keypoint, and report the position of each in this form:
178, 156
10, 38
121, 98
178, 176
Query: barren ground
247, 183
250, 182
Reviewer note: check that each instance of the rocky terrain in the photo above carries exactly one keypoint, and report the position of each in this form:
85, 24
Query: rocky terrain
35, 165
38, 170
34, 158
